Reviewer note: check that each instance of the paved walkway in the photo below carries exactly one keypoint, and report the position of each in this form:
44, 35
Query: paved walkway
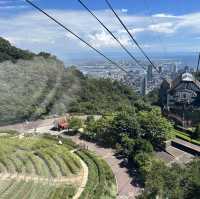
84, 178
126, 188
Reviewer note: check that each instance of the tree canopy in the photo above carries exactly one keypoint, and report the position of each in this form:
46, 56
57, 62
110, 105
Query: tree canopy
172, 182
9, 52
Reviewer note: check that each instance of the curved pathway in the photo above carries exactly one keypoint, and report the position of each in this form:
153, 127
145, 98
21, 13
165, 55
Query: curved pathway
126, 187
84, 178
80, 180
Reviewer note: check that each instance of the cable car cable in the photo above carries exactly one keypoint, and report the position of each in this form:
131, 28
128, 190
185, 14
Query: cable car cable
137, 44
109, 31
75, 35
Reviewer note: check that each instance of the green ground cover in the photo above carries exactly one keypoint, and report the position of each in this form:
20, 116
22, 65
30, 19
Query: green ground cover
42, 157
101, 181
186, 137
36, 158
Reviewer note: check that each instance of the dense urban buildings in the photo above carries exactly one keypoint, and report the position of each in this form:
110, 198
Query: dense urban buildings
143, 81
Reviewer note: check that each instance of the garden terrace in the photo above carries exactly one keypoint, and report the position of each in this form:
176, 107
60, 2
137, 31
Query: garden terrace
40, 167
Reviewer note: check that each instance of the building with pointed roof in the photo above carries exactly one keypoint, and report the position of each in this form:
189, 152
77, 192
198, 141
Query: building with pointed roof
180, 98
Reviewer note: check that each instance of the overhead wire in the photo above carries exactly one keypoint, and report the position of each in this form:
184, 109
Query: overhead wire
75, 35
133, 39
109, 31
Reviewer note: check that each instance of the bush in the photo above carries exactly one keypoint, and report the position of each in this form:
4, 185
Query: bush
196, 133
75, 124
186, 137
155, 128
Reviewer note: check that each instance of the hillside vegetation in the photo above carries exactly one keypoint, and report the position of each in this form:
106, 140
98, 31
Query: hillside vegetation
30, 89
33, 86
9, 52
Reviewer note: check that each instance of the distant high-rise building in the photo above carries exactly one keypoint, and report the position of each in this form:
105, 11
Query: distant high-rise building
187, 69
150, 73
160, 69
173, 71
174, 68
144, 86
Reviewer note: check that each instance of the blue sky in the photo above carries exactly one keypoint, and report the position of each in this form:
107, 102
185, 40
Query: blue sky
160, 26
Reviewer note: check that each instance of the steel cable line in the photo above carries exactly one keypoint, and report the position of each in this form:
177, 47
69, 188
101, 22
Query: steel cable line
109, 31
75, 35
137, 44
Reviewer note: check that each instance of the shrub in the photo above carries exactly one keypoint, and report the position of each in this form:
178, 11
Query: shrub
75, 123
196, 133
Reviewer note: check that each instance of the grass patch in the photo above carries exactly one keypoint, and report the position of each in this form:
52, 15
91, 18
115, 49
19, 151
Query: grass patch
40, 156
186, 137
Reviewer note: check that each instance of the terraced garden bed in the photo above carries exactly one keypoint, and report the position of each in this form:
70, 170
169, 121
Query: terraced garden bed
40, 167
101, 181
37, 167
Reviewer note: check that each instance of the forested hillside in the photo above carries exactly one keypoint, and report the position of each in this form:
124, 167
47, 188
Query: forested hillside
36, 85
9, 52
102, 95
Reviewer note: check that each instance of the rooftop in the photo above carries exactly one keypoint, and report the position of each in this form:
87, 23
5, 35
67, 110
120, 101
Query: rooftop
187, 77
184, 77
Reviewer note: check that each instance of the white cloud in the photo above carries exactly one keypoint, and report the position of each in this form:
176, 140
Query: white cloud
13, 7
166, 27
103, 39
124, 10
35, 31
12, 4
163, 15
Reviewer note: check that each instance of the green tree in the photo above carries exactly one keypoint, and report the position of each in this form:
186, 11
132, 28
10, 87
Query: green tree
143, 162
75, 123
11, 53
153, 97
191, 180
175, 182
132, 147
127, 145
155, 127
196, 133
125, 123
44, 54
90, 129
104, 133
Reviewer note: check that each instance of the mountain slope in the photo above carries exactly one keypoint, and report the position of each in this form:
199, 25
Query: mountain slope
38, 85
